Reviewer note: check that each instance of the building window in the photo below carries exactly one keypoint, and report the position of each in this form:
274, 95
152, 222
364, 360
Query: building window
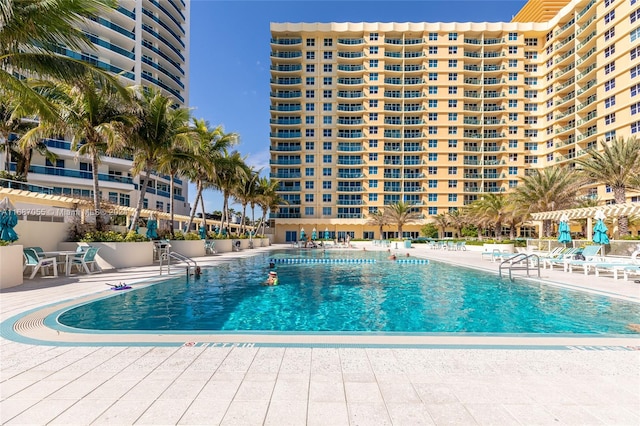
433, 90
433, 50
308, 211
308, 171
433, 116
373, 50
635, 34
610, 135
453, 198
610, 67
310, 146
326, 171
610, 118
373, 63
634, 71
311, 55
453, 184
433, 63
453, 76
326, 211
309, 133
610, 33
309, 119
433, 198
610, 101
432, 143
373, 156
433, 36
373, 37
373, 197
453, 143
433, 76
326, 158
635, 52
453, 36
513, 63
513, 170
373, 183
326, 184
635, 108
453, 156
373, 170
453, 116
452, 170
513, 36
513, 50
433, 103
373, 143
327, 68
311, 42
326, 198
453, 63
608, 85
328, 42
373, 90
373, 103
311, 68
327, 119
453, 103
635, 127
373, 76
635, 89
610, 16
453, 90
432, 170
609, 50
530, 41
453, 50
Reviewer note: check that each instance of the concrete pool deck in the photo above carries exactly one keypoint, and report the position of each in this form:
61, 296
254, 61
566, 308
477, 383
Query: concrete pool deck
221, 380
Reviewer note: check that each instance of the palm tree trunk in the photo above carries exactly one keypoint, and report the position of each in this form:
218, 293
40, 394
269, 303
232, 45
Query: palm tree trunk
619, 194
96, 192
195, 204
143, 191
171, 215
546, 227
244, 214
225, 212
204, 217
253, 218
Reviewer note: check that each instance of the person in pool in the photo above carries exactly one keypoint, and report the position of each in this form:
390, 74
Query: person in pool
272, 279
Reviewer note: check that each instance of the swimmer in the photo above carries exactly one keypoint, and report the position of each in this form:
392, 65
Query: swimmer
393, 257
273, 278
197, 272
407, 254
271, 264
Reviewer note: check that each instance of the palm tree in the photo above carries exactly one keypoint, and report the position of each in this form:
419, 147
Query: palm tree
96, 116
31, 33
212, 142
268, 199
457, 219
442, 221
491, 209
549, 189
514, 215
401, 214
160, 127
617, 165
379, 219
230, 169
245, 192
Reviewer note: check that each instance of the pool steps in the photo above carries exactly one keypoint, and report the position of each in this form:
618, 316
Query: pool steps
302, 260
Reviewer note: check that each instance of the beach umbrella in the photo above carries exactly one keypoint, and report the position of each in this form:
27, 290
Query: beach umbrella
203, 232
314, 235
302, 234
564, 232
224, 232
326, 233
152, 228
600, 229
8, 220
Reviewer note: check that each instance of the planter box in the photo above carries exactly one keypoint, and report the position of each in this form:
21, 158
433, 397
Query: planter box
504, 248
189, 248
11, 261
264, 242
118, 255
223, 246
244, 244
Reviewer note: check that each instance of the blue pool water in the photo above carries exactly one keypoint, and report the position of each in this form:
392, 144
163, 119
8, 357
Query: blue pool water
376, 295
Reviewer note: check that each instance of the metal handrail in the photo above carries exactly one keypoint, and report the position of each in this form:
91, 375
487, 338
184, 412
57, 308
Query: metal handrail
180, 258
522, 259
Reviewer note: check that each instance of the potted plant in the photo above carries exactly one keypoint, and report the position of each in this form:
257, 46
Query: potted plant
117, 250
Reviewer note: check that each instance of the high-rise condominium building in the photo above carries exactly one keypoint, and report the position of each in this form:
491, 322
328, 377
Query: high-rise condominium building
145, 42
438, 114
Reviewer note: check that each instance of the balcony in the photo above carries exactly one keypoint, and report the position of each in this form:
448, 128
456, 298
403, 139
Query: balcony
287, 162
286, 121
286, 55
342, 188
346, 147
81, 174
286, 41
286, 81
350, 41
350, 55
286, 94
349, 94
285, 108
289, 189
285, 175
286, 148
286, 68
355, 175
349, 108
350, 134
350, 68
349, 122
286, 135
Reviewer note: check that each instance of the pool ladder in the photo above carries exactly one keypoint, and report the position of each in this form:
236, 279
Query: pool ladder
520, 262
192, 265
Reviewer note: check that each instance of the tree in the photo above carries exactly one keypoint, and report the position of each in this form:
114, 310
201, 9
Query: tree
245, 192
379, 219
230, 169
442, 221
268, 198
401, 214
160, 127
429, 230
457, 219
96, 116
617, 165
31, 33
549, 189
490, 210
212, 142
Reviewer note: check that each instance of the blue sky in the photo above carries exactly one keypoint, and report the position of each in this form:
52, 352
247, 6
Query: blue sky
229, 60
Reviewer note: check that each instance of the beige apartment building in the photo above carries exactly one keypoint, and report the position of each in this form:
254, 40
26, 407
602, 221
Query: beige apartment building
438, 114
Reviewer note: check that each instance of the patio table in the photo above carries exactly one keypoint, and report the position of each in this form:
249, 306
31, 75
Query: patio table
67, 255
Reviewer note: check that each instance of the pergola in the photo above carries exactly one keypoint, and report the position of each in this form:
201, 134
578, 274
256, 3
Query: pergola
611, 210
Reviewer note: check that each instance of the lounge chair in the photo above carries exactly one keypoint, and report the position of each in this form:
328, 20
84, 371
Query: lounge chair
38, 263
626, 266
590, 254
560, 258
209, 246
86, 260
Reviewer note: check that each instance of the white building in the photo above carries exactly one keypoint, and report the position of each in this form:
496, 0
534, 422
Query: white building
146, 42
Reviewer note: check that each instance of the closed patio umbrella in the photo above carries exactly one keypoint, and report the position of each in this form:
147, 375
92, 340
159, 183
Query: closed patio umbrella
203, 232
326, 234
302, 234
8, 220
314, 235
152, 228
564, 232
600, 229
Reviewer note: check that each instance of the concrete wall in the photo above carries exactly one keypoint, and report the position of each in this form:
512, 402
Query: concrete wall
42, 234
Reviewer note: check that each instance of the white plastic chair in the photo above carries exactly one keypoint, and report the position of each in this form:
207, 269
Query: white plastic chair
38, 263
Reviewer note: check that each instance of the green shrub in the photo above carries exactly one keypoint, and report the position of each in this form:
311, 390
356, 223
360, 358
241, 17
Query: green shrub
191, 236
429, 230
102, 237
133, 237
4, 243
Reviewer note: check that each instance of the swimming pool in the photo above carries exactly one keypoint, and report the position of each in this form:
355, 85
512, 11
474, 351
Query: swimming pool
376, 295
